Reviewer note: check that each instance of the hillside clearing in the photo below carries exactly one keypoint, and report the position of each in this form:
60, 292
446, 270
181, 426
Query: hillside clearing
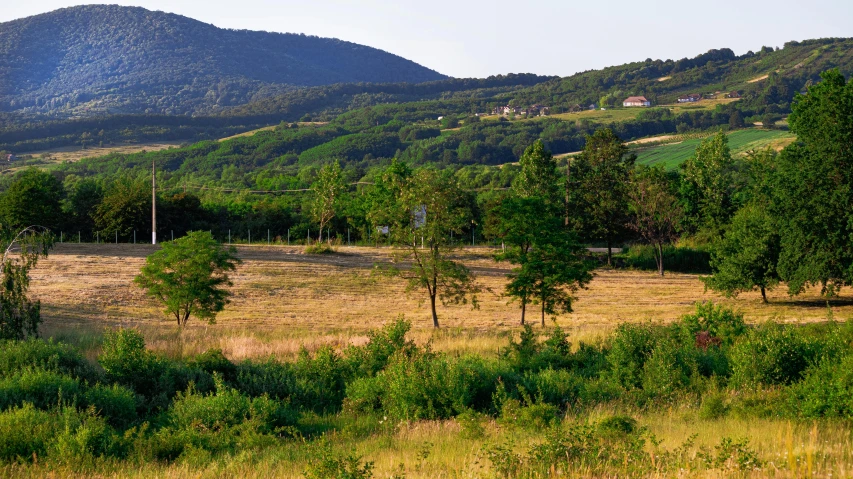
284, 300
76, 153
670, 155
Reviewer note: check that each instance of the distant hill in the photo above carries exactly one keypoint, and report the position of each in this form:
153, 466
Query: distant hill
765, 79
101, 59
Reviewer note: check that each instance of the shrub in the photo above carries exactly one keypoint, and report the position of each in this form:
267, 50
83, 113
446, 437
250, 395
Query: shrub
83, 436
42, 389
126, 361
558, 387
213, 361
365, 395
25, 433
115, 403
669, 367
825, 391
769, 355
719, 322
678, 259
320, 247
371, 358
268, 377
16, 356
617, 426
713, 406
630, 347
320, 381
227, 408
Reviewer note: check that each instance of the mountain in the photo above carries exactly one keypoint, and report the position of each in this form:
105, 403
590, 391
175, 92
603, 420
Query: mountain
110, 59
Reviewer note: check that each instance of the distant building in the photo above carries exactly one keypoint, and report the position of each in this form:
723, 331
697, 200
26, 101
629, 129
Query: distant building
440, 118
733, 94
10, 158
591, 106
691, 98
636, 101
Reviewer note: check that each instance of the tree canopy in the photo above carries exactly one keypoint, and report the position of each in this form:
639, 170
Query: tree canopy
189, 276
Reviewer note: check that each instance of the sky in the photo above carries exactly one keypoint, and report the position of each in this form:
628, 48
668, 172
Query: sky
550, 37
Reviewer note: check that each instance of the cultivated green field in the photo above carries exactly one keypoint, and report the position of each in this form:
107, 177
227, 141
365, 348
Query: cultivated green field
673, 154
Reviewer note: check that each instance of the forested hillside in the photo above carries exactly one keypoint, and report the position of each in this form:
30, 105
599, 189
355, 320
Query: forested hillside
111, 59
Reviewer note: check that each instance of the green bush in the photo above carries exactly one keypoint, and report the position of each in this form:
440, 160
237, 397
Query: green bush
559, 387
630, 347
371, 358
25, 433
713, 406
43, 389
63, 435
115, 403
771, 354
16, 356
719, 322
678, 259
670, 367
825, 391
227, 408
126, 362
83, 436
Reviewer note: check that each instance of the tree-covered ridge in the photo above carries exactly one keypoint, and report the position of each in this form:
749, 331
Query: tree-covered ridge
789, 70
106, 58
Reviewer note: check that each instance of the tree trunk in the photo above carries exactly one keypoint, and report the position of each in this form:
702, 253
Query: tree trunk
523, 310
609, 253
763, 295
660, 259
543, 314
434, 315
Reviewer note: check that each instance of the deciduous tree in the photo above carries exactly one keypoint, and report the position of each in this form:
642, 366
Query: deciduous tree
328, 189
655, 210
19, 316
745, 258
189, 276
33, 198
813, 190
598, 199
434, 206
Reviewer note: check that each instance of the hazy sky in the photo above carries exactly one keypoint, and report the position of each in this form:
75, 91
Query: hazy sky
554, 37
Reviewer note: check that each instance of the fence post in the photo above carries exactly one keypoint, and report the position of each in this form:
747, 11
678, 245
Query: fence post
134, 236
268, 236
288, 236
60, 237
173, 234
229, 236
78, 237
98, 238
348, 237
309, 236
250, 236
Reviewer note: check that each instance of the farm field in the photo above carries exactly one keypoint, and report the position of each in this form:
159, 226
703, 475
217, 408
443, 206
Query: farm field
75, 153
284, 300
671, 155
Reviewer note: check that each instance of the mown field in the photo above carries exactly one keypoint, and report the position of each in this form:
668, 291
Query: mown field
570, 424
284, 300
670, 155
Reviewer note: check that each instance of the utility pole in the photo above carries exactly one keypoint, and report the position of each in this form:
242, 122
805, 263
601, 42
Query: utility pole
153, 204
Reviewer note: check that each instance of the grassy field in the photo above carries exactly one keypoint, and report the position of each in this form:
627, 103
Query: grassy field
673, 154
625, 114
284, 300
46, 158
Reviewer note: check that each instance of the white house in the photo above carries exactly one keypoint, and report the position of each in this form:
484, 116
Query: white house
636, 101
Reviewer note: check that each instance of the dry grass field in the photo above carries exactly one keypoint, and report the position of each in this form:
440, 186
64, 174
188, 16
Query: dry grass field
284, 300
